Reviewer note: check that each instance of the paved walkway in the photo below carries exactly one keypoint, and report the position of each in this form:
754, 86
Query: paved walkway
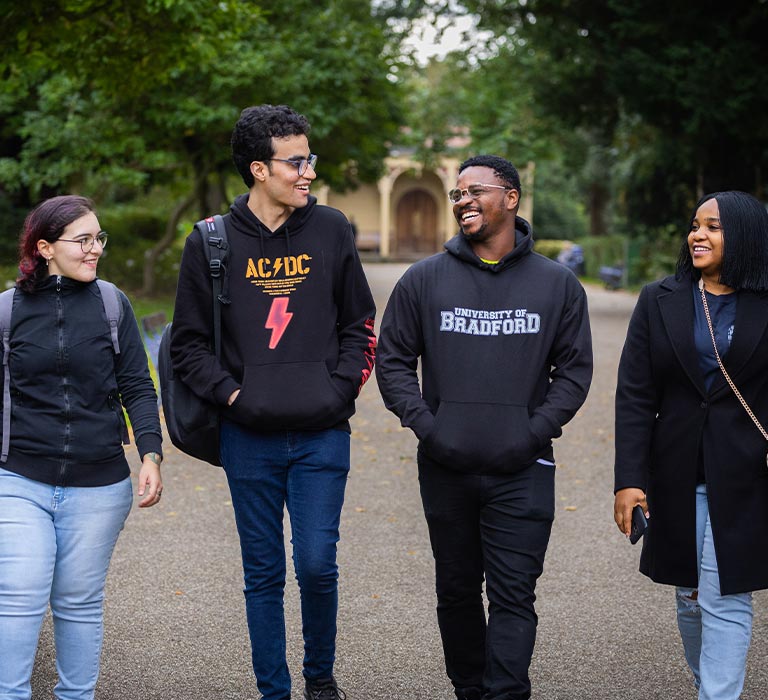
175, 623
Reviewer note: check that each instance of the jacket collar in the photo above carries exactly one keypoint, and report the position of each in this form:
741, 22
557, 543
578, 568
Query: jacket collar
462, 249
676, 306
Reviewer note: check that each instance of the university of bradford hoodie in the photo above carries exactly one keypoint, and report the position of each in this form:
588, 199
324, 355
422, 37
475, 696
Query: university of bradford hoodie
505, 350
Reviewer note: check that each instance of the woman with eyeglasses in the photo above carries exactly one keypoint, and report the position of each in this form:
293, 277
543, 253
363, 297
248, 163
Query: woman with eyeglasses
65, 486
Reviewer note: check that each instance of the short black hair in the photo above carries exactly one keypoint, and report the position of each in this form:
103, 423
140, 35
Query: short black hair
254, 131
744, 222
503, 168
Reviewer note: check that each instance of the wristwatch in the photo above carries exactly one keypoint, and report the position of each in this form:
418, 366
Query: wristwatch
156, 458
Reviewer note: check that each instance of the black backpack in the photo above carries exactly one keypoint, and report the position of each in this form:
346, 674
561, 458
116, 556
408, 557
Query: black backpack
192, 422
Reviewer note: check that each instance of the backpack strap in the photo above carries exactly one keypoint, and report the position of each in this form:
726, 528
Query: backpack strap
216, 247
6, 306
112, 308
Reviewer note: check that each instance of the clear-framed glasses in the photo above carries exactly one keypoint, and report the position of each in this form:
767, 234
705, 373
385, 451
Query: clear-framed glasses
474, 191
300, 163
87, 242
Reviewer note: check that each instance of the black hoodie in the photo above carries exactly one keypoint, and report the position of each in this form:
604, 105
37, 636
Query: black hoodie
506, 355
297, 335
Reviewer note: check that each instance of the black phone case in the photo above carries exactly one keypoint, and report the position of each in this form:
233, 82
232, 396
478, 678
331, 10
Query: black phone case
639, 524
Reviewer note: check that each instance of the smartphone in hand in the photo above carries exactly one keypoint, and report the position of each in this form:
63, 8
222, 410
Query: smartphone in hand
639, 524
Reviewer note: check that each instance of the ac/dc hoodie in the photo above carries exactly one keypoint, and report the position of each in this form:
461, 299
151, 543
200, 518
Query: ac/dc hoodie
297, 333
505, 350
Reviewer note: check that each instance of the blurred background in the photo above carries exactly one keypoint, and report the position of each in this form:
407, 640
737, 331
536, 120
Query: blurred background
619, 116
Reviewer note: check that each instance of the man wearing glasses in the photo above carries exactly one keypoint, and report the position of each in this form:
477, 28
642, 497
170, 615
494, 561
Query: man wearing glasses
506, 360
297, 347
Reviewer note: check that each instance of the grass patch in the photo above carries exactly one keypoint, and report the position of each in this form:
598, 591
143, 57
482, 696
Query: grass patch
145, 307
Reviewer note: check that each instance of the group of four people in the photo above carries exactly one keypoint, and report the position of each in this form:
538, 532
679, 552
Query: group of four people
503, 339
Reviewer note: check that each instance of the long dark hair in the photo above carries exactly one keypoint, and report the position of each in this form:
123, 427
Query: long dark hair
744, 222
47, 222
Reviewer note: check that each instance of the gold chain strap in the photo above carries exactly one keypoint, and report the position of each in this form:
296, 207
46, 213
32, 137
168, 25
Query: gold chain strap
720, 362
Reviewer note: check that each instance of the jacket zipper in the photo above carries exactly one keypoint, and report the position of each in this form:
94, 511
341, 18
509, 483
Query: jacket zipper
65, 380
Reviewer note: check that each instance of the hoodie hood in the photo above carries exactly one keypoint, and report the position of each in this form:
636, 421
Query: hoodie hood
462, 248
246, 222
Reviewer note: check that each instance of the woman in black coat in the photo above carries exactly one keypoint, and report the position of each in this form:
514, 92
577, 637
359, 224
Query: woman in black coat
687, 451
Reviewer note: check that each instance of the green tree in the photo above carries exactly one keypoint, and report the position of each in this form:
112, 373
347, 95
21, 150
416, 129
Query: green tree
689, 76
121, 97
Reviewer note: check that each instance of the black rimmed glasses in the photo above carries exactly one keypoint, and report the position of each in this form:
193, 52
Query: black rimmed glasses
474, 191
301, 163
87, 242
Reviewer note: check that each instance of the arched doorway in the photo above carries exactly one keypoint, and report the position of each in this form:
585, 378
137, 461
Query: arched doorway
416, 223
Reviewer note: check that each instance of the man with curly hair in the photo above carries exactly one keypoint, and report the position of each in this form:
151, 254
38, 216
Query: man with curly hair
297, 347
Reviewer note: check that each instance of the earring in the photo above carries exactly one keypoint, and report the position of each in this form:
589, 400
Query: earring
47, 262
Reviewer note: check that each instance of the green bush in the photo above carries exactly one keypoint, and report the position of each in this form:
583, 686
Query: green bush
648, 255
602, 250
11, 223
653, 254
550, 247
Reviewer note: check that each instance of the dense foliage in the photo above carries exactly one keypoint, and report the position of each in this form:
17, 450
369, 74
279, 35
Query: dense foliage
668, 99
117, 98
630, 111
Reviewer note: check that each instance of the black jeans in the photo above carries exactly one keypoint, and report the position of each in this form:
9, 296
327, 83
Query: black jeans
498, 527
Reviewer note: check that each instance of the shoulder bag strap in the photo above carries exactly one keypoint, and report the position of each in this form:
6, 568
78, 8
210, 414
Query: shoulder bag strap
216, 247
722, 368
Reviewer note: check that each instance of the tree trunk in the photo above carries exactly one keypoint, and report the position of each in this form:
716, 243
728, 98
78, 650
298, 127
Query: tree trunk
163, 244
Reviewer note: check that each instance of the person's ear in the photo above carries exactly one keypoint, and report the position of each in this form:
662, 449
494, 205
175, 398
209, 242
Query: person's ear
259, 170
45, 249
513, 199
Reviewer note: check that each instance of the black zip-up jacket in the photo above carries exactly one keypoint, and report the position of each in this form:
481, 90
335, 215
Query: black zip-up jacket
297, 333
68, 387
506, 355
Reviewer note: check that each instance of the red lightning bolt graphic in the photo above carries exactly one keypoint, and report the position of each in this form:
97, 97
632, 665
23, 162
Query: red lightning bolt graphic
278, 320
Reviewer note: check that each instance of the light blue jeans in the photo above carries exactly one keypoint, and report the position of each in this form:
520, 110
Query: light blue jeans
55, 547
716, 629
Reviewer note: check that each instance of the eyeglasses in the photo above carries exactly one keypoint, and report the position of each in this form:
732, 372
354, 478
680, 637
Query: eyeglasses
473, 191
300, 163
87, 242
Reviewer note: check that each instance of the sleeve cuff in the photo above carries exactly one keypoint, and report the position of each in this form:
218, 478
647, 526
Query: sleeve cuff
224, 391
423, 425
149, 442
543, 429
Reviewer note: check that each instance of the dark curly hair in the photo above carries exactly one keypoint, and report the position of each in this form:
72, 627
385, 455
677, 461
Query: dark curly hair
254, 131
47, 222
504, 170
744, 222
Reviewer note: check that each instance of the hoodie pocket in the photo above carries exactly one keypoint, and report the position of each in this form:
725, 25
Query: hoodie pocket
290, 395
482, 437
